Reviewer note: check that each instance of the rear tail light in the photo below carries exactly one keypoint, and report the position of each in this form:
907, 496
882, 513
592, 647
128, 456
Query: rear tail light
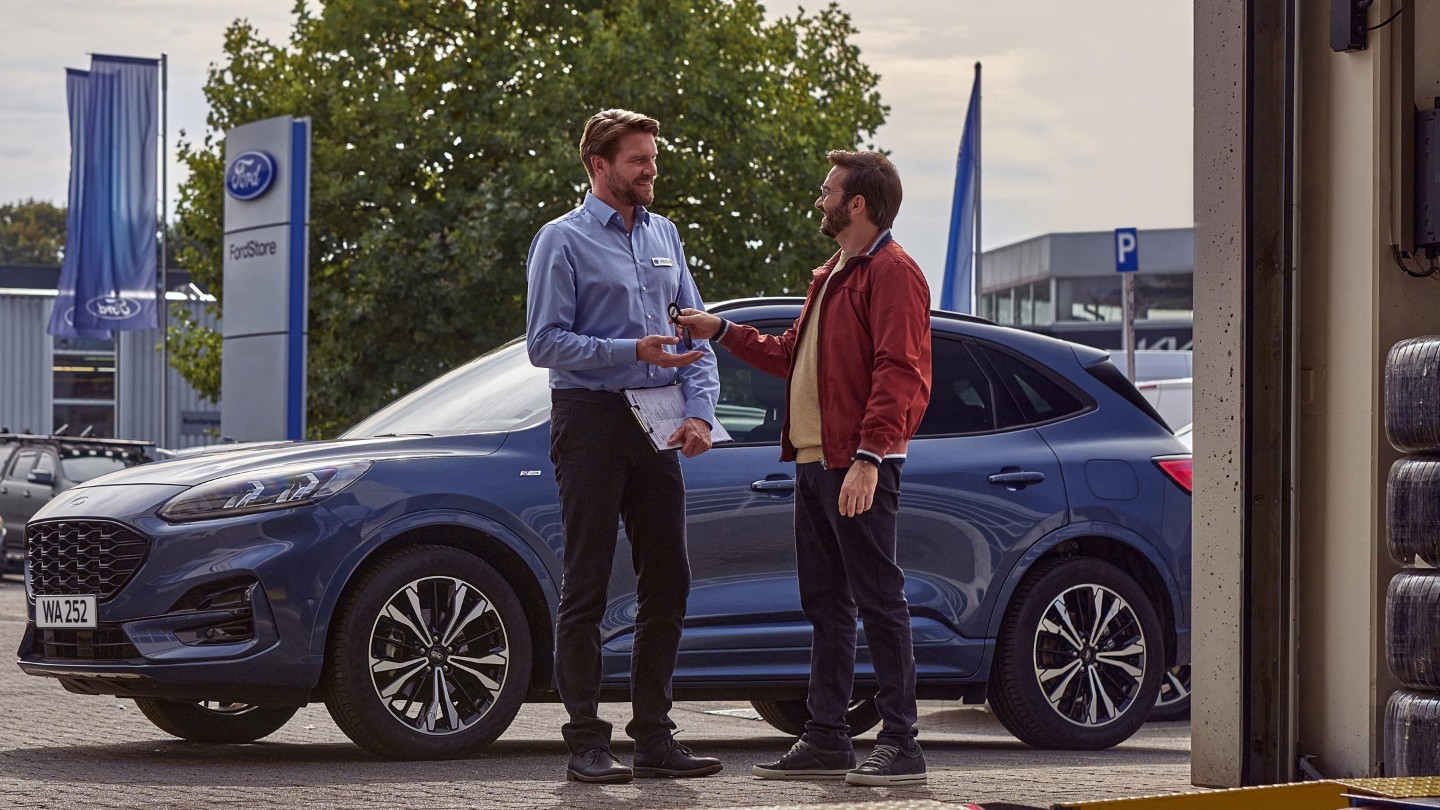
1178, 468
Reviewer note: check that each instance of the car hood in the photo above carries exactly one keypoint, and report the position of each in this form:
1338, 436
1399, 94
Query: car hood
192, 470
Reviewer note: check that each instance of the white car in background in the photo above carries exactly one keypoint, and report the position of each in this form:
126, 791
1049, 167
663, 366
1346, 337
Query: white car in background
1171, 398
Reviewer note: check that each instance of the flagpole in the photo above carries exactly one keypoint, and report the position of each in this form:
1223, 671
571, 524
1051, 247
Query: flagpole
979, 198
164, 439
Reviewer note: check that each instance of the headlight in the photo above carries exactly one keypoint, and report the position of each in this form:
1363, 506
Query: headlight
261, 491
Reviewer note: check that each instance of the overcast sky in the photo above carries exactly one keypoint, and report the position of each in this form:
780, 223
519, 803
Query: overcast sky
1087, 103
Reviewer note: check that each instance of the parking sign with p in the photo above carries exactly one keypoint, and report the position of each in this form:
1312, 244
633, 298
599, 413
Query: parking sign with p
1127, 250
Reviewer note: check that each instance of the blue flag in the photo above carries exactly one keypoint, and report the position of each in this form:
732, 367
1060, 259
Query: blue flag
960, 257
108, 277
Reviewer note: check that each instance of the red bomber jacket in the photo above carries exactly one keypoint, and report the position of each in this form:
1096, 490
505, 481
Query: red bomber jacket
873, 356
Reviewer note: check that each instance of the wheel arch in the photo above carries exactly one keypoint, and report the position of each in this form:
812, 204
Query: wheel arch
516, 560
1114, 544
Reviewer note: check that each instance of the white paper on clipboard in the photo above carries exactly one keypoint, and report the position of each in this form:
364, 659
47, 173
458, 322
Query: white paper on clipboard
661, 410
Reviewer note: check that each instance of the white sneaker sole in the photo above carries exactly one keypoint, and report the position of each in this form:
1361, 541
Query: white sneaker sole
770, 773
885, 781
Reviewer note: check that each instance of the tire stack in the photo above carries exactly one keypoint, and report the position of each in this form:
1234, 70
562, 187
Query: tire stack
1412, 606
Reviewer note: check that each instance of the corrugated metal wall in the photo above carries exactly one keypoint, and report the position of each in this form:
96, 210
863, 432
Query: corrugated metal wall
138, 397
25, 361
27, 357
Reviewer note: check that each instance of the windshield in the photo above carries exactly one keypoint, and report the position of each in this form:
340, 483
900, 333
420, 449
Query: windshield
498, 392
79, 469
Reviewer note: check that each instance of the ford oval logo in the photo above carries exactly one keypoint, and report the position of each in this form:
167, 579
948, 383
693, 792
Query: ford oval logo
249, 175
109, 308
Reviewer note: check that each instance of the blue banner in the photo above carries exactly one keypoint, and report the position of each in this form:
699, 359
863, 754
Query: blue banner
960, 257
110, 242
62, 317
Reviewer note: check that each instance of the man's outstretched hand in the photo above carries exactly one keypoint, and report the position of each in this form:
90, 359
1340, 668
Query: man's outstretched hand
651, 349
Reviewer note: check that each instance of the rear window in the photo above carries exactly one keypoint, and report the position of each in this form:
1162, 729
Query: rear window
1042, 396
1114, 379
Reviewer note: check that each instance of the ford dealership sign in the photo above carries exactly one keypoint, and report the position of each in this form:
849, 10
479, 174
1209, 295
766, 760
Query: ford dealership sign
249, 175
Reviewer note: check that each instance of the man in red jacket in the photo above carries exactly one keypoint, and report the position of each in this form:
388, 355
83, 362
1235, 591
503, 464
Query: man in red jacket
857, 365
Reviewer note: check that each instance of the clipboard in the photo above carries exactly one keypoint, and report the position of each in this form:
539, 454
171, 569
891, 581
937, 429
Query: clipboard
661, 410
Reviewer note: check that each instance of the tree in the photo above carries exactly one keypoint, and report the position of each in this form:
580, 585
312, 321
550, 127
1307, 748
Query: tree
32, 232
446, 133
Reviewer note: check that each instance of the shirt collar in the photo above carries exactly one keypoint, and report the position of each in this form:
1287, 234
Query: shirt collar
602, 211
880, 240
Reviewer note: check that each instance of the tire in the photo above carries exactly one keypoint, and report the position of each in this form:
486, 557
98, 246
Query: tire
1412, 734
790, 716
1412, 629
1412, 395
1173, 702
1119, 673
1412, 511
207, 722
434, 621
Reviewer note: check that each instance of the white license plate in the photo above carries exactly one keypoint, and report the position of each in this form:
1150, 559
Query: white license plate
65, 611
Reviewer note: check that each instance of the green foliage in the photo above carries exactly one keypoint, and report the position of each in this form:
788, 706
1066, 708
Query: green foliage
32, 232
445, 133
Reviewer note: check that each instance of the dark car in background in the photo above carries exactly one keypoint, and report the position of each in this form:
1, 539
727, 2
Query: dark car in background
407, 573
34, 469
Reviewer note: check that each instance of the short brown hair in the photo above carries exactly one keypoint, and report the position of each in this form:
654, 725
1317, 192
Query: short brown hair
871, 175
605, 129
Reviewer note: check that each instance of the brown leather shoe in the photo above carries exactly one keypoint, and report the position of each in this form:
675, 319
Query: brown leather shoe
597, 765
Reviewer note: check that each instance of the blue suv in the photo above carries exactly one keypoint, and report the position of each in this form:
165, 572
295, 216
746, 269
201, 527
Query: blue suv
407, 573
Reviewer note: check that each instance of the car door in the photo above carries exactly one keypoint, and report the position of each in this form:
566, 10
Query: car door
979, 487
17, 499
740, 535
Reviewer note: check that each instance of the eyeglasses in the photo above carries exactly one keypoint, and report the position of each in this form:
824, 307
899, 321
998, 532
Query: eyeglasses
825, 193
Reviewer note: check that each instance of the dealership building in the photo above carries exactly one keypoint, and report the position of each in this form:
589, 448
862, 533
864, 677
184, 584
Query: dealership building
110, 387
1065, 285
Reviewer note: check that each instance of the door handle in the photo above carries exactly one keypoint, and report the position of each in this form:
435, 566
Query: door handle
1017, 479
773, 485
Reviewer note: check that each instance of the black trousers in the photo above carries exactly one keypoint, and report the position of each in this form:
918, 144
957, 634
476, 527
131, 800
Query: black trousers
847, 568
608, 471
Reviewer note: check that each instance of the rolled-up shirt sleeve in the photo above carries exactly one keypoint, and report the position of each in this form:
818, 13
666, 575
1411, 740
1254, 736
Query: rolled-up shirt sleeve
550, 313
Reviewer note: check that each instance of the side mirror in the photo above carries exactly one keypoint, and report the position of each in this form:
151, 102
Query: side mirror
44, 477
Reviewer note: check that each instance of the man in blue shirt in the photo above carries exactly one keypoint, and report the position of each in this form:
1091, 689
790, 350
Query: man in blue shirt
601, 281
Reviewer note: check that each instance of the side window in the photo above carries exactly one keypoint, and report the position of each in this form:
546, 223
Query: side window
22, 465
752, 403
962, 398
1041, 395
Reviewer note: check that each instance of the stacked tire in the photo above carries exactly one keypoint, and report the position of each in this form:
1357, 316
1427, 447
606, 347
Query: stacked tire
1412, 514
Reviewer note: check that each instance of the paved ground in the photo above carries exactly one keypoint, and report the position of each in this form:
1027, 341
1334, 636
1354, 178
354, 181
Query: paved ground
63, 750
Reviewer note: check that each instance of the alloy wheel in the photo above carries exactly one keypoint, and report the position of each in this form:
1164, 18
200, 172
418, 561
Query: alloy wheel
439, 655
1089, 655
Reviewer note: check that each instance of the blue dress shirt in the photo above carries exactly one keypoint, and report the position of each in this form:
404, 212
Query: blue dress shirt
596, 289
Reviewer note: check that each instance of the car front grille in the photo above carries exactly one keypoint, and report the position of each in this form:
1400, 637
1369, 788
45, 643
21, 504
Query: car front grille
104, 643
76, 557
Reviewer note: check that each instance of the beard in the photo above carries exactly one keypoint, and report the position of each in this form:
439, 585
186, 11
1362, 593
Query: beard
833, 222
629, 193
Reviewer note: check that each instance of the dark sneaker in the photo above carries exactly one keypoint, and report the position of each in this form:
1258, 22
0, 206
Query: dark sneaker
597, 765
889, 765
805, 761
672, 760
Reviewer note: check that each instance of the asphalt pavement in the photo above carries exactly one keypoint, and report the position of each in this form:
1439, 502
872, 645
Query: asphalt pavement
64, 750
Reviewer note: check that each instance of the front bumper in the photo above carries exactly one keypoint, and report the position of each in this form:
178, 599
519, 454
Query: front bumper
222, 610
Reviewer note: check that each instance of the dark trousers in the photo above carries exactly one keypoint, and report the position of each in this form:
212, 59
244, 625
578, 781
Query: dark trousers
608, 471
847, 568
